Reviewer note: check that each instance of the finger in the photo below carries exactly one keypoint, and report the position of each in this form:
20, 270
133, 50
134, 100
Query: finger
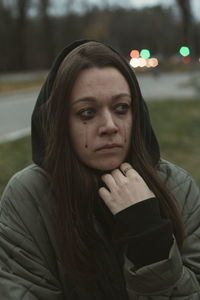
105, 195
107, 198
126, 169
109, 181
118, 176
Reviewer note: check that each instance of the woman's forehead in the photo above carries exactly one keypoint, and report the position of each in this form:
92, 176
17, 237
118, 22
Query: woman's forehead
99, 81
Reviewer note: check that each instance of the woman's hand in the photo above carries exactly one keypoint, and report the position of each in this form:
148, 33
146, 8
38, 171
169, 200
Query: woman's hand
126, 187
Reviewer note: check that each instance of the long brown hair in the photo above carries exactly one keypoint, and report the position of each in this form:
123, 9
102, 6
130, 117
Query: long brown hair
75, 185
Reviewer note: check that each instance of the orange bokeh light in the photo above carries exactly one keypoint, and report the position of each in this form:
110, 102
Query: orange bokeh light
135, 54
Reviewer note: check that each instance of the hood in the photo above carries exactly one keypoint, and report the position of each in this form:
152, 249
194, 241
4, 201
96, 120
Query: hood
39, 113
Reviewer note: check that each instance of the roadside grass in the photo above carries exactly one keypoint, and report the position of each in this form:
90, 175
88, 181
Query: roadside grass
176, 124
177, 127
14, 156
21, 85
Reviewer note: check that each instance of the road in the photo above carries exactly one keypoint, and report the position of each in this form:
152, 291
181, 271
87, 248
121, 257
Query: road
15, 114
169, 85
16, 107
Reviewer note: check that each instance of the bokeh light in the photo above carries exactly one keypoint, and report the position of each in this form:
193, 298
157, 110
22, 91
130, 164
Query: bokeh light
145, 53
134, 54
142, 62
134, 62
142, 59
153, 62
186, 59
184, 51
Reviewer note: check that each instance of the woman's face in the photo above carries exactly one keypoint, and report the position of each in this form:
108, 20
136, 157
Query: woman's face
100, 118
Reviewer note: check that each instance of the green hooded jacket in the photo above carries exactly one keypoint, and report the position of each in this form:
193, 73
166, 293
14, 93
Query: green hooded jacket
30, 267
30, 264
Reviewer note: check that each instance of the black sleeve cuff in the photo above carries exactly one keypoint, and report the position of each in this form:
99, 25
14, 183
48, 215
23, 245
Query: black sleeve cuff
147, 235
137, 218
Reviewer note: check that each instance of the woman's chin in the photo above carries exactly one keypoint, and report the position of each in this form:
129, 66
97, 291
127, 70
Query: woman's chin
108, 167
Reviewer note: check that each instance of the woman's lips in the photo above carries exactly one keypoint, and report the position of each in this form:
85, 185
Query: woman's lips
109, 148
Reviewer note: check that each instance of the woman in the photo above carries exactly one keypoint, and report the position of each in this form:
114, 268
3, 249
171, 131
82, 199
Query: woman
99, 215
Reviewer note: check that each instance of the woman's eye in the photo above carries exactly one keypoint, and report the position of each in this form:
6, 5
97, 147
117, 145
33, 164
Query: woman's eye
87, 113
122, 108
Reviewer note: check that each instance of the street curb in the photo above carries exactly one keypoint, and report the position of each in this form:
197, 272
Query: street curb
15, 135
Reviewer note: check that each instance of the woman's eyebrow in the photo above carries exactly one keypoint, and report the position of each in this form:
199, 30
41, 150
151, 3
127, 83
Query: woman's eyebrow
121, 95
92, 99
84, 99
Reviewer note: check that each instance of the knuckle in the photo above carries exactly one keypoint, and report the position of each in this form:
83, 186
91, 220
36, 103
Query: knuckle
121, 185
105, 176
134, 176
126, 182
114, 171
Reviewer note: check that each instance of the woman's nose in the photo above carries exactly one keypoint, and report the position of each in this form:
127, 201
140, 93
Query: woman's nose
107, 125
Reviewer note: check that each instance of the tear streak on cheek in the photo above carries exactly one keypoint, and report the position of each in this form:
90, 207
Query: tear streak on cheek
86, 134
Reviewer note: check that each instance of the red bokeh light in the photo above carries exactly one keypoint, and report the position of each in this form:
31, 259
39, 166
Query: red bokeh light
135, 54
186, 59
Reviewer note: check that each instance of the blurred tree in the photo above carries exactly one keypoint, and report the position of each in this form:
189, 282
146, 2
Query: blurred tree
97, 25
46, 33
21, 9
6, 32
68, 29
152, 28
185, 9
188, 28
43, 34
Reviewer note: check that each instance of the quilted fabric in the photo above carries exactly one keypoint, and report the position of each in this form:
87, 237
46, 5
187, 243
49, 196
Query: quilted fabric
30, 268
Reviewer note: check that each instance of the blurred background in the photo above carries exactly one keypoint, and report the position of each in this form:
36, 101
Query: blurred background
33, 31
160, 39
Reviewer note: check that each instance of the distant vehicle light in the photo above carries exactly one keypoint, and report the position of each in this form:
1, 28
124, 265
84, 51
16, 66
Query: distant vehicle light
142, 62
153, 62
186, 59
184, 51
134, 62
145, 53
135, 54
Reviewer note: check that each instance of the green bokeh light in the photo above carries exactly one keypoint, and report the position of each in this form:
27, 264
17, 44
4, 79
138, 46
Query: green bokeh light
144, 53
184, 51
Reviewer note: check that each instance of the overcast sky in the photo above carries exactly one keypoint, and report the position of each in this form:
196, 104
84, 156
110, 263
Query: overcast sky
195, 4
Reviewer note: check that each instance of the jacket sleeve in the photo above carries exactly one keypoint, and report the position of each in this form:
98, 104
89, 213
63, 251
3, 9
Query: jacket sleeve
147, 236
178, 276
25, 272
